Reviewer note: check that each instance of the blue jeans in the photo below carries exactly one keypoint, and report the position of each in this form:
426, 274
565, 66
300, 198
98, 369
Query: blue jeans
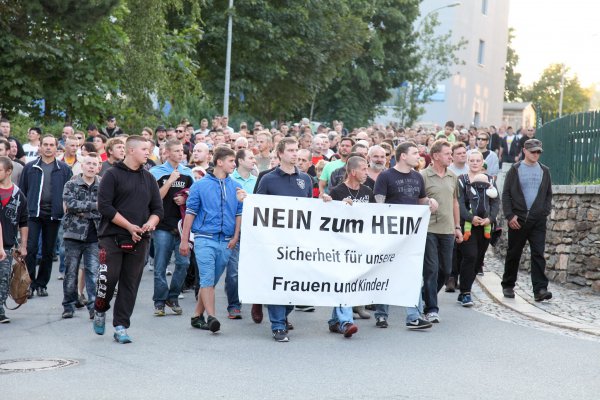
437, 266
5, 271
231, 280
343, 315
165, 243
412, 313
212, 256
277, 315
74, 251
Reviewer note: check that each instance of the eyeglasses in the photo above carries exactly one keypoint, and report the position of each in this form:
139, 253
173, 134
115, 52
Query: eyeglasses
483, 139
536, 152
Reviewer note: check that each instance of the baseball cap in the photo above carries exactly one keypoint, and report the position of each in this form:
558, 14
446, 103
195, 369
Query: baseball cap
533, 145
160, 128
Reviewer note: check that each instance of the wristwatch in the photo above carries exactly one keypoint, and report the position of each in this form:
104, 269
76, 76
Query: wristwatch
457, 227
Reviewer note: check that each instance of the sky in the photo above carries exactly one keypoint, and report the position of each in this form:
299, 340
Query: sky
556, 31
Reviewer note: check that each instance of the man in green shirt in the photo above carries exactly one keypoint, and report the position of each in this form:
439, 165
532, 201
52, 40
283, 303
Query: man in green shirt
344, 149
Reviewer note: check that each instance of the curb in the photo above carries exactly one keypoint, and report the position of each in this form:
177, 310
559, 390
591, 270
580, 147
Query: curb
491, 285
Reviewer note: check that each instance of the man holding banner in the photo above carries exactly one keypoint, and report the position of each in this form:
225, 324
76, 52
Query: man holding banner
285, 180
403, 185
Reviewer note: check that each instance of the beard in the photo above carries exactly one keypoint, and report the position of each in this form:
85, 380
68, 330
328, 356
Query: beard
375, 166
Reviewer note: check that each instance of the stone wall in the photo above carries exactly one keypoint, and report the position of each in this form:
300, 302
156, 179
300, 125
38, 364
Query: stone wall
573, 237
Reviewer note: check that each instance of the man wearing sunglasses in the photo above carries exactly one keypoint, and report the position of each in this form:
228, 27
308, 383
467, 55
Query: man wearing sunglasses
490, 158
527, 202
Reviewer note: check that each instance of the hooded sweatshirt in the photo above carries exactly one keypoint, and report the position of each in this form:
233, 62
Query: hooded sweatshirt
132, 193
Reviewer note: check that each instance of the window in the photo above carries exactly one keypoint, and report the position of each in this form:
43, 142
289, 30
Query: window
484, 7
481, 52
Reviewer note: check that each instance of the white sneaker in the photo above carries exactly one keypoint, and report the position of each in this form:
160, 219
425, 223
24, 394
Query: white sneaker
181, 296
433, 317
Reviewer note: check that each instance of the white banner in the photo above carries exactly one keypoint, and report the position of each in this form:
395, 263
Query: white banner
304, 251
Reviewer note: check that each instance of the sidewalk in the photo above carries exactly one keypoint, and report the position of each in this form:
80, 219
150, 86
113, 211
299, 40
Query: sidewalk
577, 310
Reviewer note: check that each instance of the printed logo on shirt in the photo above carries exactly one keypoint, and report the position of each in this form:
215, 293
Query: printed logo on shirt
301, 183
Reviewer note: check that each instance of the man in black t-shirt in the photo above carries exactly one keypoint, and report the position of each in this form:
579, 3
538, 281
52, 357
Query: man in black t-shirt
352, 190
403, 185
172, 178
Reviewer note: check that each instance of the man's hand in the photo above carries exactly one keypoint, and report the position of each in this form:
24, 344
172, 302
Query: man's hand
184, 248
23, 249
514, 223
179, 200
173, 177
458, 236
326, 198
136, 232
2, 254
240, 194
433, 205
232, 243
348, 201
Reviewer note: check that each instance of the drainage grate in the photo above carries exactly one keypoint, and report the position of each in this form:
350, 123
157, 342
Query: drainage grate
34, 364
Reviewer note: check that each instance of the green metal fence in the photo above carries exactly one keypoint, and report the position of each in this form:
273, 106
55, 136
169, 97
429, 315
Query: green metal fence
571, 147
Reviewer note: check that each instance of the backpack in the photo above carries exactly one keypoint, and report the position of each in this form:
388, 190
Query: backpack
19, 281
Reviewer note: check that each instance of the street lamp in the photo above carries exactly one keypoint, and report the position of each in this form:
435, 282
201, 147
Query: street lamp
458, 3
228, 61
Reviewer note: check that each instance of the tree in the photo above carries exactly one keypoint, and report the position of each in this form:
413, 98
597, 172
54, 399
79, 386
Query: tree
546, 92
65, 68
512, 79
283, 52
388, 56
436, 55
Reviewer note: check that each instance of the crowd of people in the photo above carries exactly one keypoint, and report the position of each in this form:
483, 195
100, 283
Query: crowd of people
106, 204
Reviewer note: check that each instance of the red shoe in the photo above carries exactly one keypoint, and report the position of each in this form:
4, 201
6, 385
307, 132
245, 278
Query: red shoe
349, 330
257, 313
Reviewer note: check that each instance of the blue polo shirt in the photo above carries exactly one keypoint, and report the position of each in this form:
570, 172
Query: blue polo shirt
247, 184
279, 183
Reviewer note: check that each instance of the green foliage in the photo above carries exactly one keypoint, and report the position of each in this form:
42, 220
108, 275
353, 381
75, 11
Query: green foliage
283, 52
512, 79
386, 60
546, 92
436, 55
89, 58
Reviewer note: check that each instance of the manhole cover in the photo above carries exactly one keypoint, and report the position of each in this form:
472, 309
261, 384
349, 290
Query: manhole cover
34, 364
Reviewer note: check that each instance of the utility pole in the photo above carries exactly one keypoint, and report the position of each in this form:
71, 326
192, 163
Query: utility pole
228, 61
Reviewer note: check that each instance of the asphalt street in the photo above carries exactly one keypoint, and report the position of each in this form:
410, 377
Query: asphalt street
468, 355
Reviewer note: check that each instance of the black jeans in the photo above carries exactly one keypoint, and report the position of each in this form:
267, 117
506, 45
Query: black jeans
49, 229
533, 232
473, 251
124, 268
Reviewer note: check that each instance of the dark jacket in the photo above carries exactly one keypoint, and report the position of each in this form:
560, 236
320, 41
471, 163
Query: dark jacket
31, 184
513, 200
13, 217
132, 193
466, 199
81, 202
509, 153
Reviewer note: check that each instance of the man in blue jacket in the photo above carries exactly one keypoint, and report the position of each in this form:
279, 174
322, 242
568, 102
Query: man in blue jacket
42, 181
214, 215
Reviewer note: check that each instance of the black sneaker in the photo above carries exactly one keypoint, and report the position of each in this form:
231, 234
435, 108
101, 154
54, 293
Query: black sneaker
419, 323
508, 293
460, 298
67, 314
213, 324
4, 319
288, 325
280, 335
542, 295
305, 308
199, 322
42, 292
381, 322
